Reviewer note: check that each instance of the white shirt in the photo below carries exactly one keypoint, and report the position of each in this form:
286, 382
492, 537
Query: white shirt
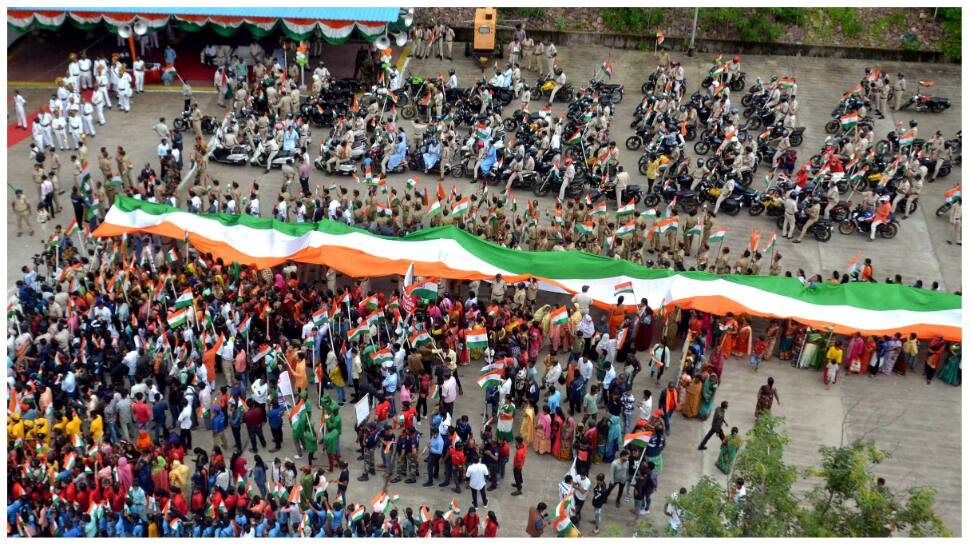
586, 368
581, 488
646, 408
19, 101
476, 476
185, 418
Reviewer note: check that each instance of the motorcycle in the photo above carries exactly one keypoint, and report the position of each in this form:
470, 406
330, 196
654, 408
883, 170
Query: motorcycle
236, 155
544, 87
859, 221
821, 231
260, 154
922, 102
184, 123
890, 144
944, 208
611, 92
552, 181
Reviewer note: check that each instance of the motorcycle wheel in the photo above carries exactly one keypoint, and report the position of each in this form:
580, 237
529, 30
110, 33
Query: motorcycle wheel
943, 209
731, 211
701, 148
843, 186
651, 200
509, 124
936, 108
832, 126
409, 111
737, 84
888, 231
642, 168
541, 189
754, 123
944, 171
846, 227
883, 147
645, 88
756, 208
746, 179
691, 134
796, 140
458, 171
617, 96
633, 143
746, 100
179, 124
748, 112
822, 234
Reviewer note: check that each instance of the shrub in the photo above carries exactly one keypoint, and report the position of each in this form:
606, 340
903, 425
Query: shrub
634, 20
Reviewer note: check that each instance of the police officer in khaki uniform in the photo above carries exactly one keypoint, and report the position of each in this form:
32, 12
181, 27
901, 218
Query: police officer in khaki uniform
899, 91
21, 209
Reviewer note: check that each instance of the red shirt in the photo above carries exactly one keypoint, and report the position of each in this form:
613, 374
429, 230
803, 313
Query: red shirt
382, 410
409, 417
141, 412
457, 457
491, 528
519, 461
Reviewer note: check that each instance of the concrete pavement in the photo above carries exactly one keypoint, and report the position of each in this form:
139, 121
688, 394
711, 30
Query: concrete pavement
902, 415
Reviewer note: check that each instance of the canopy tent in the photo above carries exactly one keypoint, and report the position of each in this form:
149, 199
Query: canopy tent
336, 25
448, 252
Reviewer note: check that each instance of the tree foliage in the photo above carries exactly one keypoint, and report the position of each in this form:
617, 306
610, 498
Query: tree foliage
847, 501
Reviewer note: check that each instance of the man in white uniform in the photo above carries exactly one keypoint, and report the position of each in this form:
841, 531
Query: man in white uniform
100, 99
139, 67
87, 116
74, 71
87, 78
59, 126
124, 90
18, 105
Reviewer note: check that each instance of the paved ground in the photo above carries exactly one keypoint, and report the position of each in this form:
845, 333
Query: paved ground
903, 415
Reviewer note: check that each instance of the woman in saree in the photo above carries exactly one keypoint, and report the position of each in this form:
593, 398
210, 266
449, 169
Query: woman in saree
742, 342
555, 430
729, 331
708, 393
566, 436
707, 330
615, 316
692, 400
729, 450
543, 432
527, 424
869, 349
771, 339
853, 362
682, 384
506, 417
950, 372
715, 360
535, 341
813, 342
644, 332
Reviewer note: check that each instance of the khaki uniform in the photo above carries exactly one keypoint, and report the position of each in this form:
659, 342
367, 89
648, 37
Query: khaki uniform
21, 209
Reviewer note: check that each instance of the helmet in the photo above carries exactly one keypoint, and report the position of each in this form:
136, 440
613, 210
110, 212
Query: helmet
737, 58
700, 161
451, 71
913, 123
569, 161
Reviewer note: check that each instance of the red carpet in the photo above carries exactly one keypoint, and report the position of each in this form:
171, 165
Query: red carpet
16, 135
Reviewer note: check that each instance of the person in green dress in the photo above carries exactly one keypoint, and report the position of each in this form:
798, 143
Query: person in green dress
814, 339
707, 396
950, 372
729, 450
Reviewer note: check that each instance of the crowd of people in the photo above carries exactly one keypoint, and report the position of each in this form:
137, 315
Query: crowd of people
126, 356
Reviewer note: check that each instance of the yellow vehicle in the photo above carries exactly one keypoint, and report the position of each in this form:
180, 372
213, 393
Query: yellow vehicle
484, 45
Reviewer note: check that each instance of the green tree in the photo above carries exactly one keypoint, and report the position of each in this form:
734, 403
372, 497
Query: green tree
851, 503
770, 509
848, 501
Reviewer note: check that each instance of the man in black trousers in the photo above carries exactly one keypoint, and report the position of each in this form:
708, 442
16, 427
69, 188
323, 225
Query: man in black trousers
717, 425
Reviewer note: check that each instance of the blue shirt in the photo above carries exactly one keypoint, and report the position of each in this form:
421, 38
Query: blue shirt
436, 445
390, 383
554, 401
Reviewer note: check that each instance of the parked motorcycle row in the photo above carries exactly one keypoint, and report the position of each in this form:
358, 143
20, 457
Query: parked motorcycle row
513, 149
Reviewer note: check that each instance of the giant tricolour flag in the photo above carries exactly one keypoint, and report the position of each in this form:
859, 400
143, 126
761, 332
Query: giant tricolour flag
448, 252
